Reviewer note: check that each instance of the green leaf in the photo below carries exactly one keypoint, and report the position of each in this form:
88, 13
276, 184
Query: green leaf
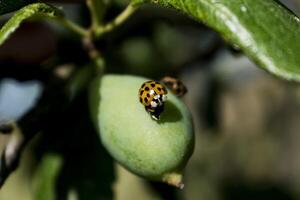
12, 5
39, 10
44, 181
265, 30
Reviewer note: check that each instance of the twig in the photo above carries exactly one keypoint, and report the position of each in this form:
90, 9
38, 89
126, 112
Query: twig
96, 8
94, 53
73, 27
120, 19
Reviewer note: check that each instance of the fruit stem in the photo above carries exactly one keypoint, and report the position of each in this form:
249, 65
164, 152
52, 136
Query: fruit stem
174, 179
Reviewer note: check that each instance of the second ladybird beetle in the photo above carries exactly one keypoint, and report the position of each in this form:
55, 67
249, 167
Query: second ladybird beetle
152, 95
175, 85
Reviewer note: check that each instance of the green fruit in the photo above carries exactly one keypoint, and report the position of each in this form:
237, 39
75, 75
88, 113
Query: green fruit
157, 150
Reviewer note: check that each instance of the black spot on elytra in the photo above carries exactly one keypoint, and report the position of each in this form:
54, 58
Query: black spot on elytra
148, 95
159, 89
145, 99
143, 85
141, 92
147, 88
152, 85
141, 100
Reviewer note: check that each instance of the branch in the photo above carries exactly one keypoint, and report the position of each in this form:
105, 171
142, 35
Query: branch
94, 53
75, 28
120, 19
97, 9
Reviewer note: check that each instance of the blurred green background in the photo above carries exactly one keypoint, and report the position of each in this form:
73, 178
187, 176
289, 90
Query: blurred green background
246, 121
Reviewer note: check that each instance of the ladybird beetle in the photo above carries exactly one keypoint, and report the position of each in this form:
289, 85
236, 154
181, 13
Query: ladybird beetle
152, 95
175, 85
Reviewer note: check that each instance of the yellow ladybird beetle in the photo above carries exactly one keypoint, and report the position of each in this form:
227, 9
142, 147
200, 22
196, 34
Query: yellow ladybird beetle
152, 95
175, 85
